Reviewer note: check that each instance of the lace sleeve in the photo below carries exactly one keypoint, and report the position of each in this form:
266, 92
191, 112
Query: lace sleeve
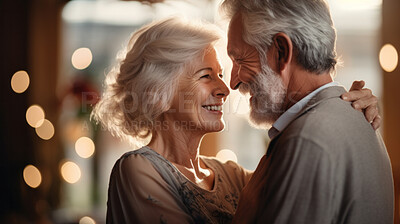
138, 194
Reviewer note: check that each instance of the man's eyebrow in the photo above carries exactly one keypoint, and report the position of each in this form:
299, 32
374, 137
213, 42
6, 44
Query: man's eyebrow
232, 53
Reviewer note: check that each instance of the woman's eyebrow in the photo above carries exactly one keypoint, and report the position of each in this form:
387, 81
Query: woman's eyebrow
207, 68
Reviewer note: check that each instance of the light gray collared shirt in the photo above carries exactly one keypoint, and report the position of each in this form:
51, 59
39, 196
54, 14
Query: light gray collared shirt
291, 113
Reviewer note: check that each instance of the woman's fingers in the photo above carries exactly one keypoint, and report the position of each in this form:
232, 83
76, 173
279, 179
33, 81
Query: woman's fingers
363, 100
355, 95
371, 113
357, 85
377, 122
365, 103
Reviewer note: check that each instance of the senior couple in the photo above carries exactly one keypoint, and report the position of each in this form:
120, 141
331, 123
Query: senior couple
325, 162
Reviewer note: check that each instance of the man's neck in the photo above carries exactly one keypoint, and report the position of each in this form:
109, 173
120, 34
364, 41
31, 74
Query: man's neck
303, 83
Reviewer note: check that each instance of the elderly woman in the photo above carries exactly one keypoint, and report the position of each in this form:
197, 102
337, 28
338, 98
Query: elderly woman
169, 88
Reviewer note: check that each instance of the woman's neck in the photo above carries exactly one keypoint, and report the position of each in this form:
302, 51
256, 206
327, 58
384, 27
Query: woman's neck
178, 146
181, 148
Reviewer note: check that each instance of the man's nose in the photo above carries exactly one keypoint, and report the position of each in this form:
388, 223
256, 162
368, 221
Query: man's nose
235, 81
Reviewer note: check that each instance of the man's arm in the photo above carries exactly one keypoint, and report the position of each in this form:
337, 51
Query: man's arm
295, 187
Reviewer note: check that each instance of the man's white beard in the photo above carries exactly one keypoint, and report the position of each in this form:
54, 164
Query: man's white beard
268, 95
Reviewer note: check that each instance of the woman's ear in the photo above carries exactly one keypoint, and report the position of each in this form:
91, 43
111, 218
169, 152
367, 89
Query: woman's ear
283, 51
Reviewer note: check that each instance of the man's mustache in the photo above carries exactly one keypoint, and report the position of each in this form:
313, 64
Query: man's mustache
244, 88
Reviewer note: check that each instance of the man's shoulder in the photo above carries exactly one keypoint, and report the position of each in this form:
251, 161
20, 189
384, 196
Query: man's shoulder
331, 115
331, 121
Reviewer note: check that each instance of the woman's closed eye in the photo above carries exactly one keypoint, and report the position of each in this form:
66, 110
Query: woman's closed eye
207, 76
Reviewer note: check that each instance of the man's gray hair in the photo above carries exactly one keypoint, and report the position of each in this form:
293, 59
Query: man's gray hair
308, 23
144, 81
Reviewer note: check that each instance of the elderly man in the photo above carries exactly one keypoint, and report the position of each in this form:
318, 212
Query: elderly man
325, 163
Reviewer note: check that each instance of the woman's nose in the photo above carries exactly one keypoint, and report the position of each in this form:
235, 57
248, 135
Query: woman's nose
222, 89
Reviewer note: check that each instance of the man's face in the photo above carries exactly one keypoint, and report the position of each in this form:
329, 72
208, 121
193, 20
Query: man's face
264, 85
245, 58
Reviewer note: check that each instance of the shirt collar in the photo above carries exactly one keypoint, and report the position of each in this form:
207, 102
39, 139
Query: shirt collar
292, 112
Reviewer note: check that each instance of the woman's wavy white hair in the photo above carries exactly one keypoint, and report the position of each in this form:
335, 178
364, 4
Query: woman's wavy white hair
307, 22
144, 81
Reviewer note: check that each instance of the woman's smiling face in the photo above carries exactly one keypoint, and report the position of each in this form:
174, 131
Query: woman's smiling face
197, 105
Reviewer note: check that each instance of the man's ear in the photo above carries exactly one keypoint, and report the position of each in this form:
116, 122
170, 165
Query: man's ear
283, 50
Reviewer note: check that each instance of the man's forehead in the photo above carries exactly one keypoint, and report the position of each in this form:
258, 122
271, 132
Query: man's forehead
236, 19
234, 35
235, 24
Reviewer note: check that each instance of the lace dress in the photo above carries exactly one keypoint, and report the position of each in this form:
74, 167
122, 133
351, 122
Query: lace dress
146, 188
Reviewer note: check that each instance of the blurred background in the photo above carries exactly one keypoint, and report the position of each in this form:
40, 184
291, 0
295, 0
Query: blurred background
55, 163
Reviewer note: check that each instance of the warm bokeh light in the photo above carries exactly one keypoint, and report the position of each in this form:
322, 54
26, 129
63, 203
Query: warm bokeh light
74, 129
32, 176
388, 58
239, 103
35, 116
46, 130
20, 81
86, 220
70, 172
84, 147
81, 58
226, 154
